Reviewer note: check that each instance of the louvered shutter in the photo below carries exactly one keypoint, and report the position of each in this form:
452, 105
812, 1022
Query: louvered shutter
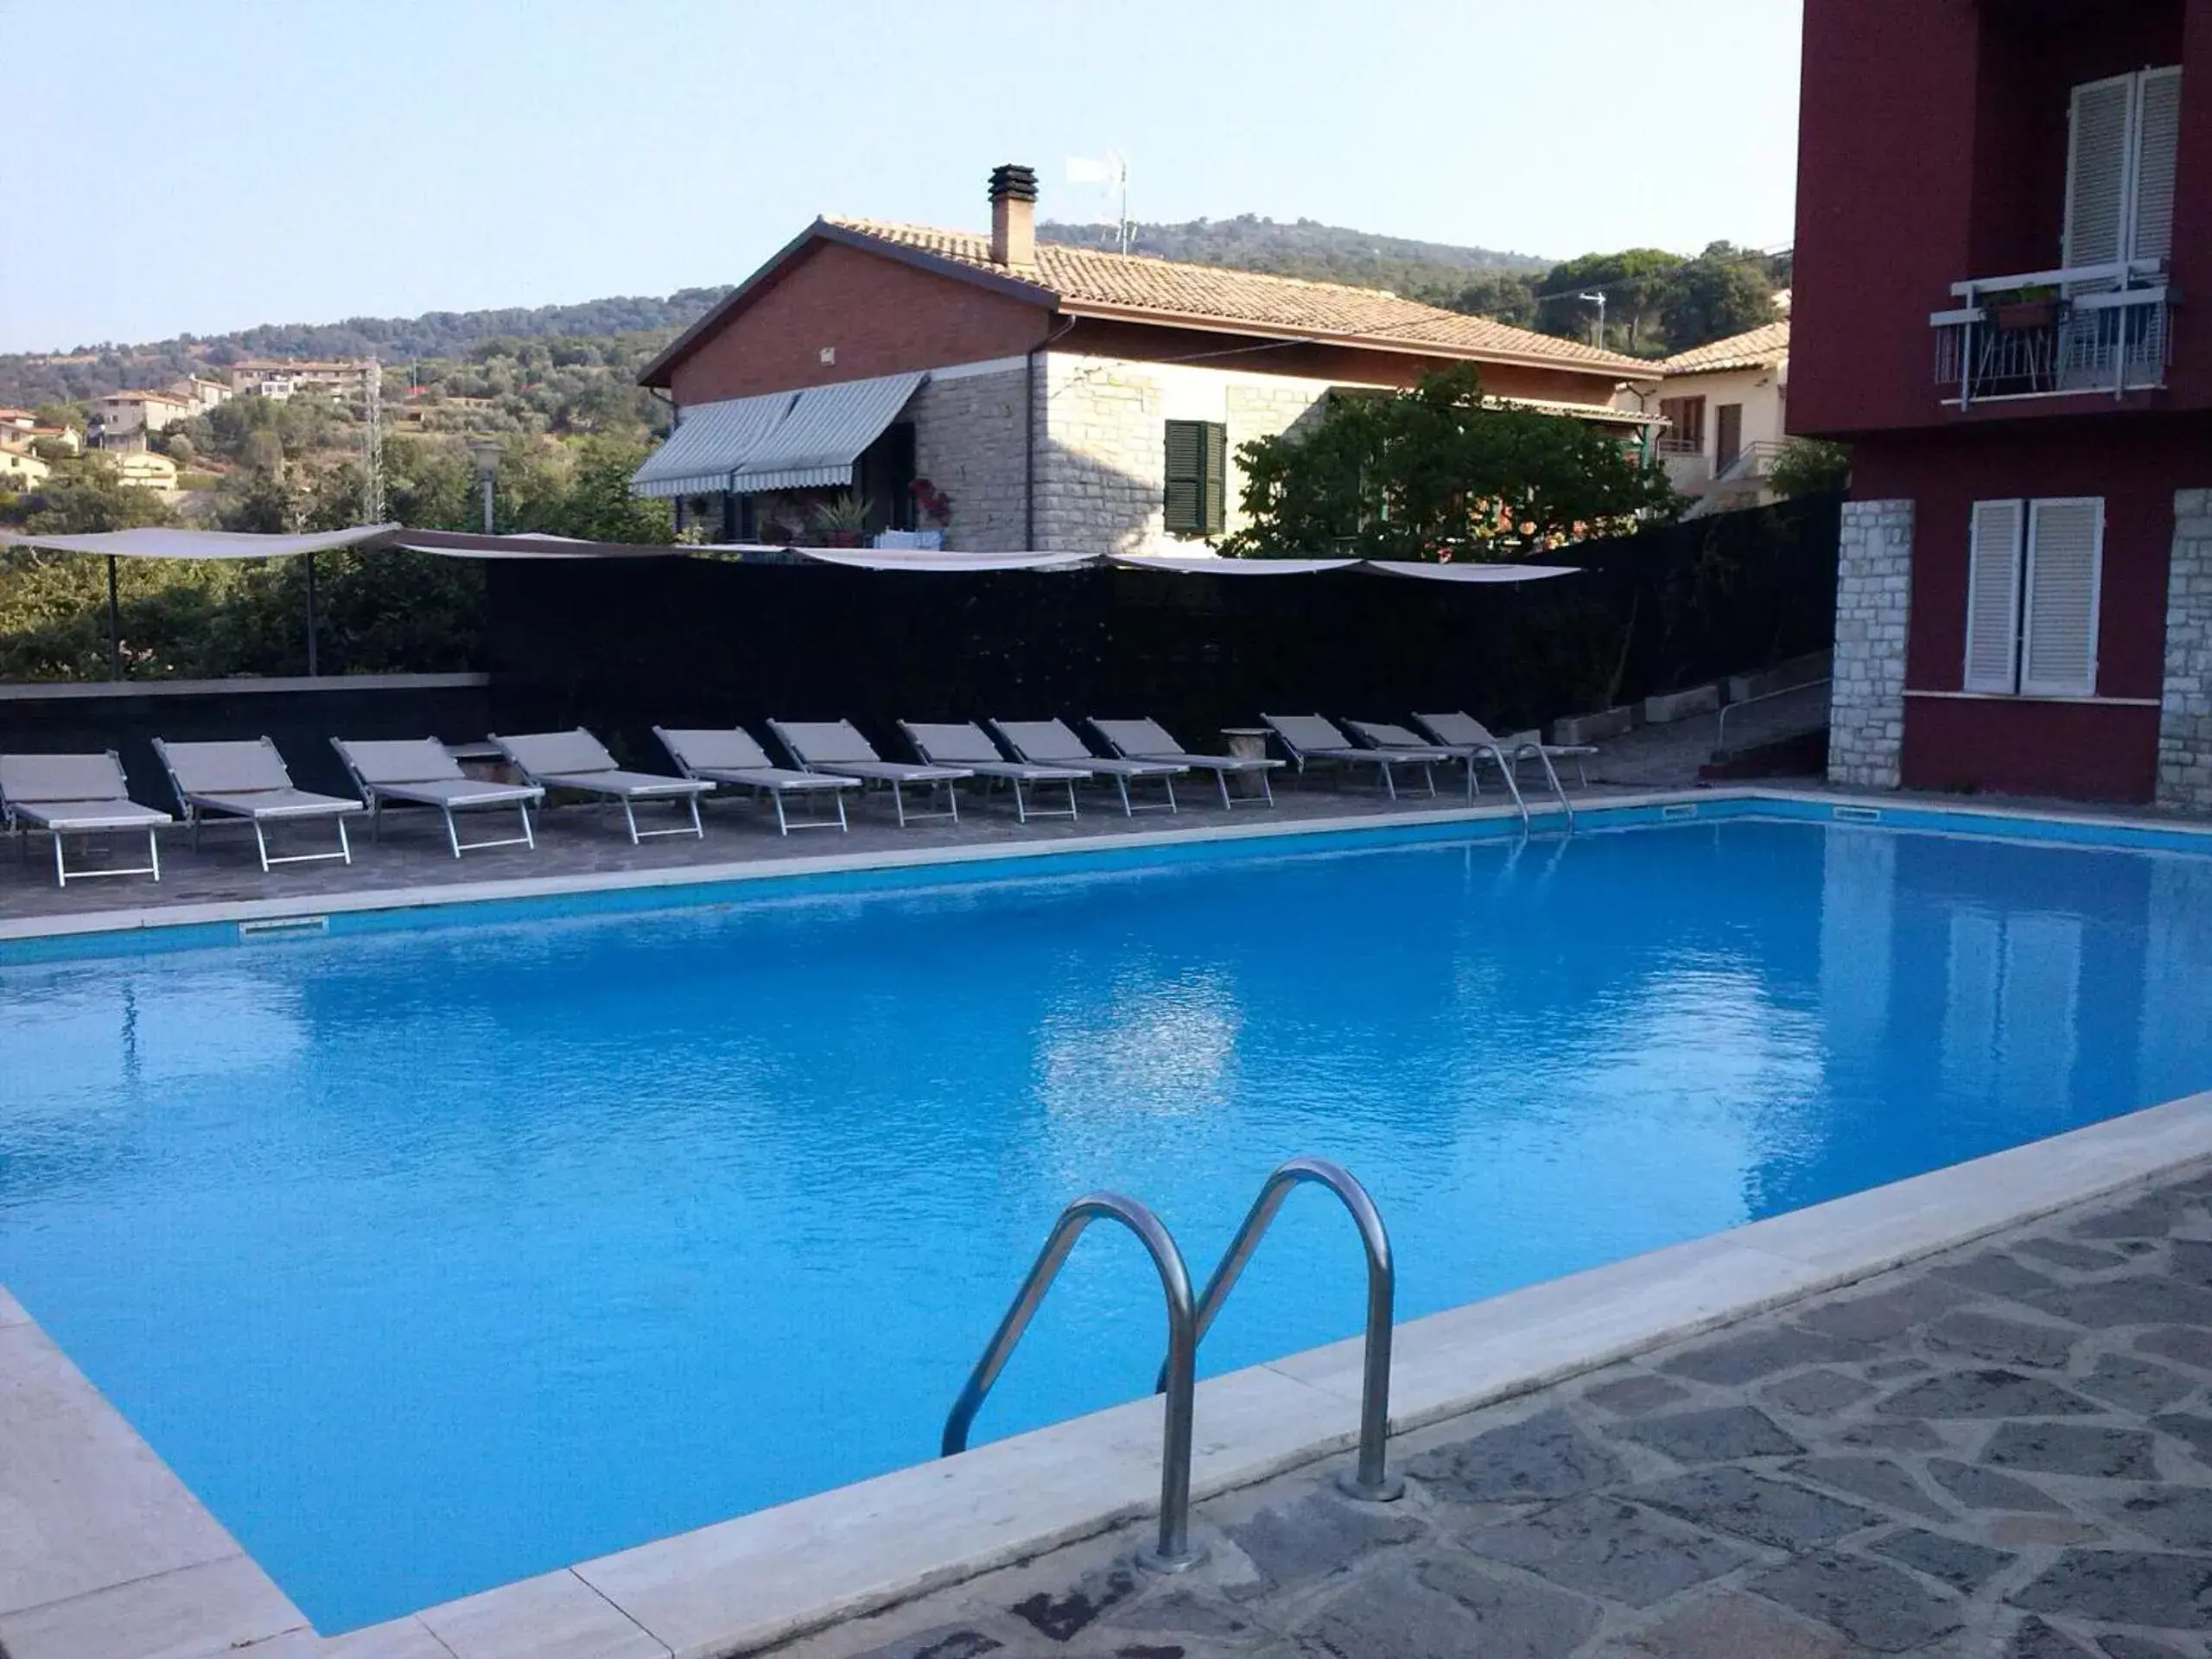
2096, 173
1993, 597
2059, 631
1216, 479
1186, 500
2157, 142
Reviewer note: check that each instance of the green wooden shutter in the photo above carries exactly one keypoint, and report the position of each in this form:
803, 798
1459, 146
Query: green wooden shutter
1186, 474
1216, 492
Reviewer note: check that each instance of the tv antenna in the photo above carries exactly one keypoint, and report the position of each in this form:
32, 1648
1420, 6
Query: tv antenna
1597, 297
1112, 173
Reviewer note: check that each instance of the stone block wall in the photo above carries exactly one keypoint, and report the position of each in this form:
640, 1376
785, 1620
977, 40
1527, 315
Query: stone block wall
968, 442
1101, 478
2186, 722
1872, 607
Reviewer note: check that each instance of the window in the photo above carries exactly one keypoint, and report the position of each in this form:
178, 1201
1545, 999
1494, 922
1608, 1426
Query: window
2120, 168
1198, 477
2033, 571
1685, 418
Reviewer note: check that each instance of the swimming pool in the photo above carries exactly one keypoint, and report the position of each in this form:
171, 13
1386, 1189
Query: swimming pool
434, 1259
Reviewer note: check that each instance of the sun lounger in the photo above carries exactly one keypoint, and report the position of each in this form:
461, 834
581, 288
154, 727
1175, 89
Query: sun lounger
423, 771
1148, 740
1310, 740
837, 747
246, 778
580, 761
1464, 731
1383, 734
76, 795
1050, 743
731, 755
963, 743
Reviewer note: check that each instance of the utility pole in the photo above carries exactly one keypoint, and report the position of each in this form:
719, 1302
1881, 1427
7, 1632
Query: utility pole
1597, 297
373, 459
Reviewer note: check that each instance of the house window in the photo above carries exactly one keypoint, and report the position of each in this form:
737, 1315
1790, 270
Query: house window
1198, 477
2124, 137
1685, 418
2033, 572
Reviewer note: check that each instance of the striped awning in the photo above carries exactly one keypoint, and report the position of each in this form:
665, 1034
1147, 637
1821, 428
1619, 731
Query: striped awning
816, 443
711, 441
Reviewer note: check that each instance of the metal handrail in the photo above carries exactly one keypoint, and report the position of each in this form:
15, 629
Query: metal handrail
1370, 1480
1174, 1552
1720, 729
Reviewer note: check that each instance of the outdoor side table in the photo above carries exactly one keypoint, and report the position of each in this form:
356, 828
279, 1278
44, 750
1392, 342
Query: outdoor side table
1247, 743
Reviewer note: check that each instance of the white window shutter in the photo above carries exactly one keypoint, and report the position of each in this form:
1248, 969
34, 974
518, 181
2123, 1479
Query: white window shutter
2157, 144
1993, 597
2096, 171
2064, 568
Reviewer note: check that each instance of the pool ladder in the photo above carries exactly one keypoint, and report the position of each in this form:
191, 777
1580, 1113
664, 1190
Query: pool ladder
1509, 767
1188, 1320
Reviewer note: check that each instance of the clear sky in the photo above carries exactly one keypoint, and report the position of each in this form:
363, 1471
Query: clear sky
204, 168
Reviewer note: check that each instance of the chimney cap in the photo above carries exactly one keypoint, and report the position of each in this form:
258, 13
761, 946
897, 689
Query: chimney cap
1011, 180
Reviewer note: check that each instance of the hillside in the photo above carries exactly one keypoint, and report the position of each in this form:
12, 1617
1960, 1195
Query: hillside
1329, 253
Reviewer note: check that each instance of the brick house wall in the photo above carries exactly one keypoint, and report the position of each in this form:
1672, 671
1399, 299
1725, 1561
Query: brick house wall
874, 316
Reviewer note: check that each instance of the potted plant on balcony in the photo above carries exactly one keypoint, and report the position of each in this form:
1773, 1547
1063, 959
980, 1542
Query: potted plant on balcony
2021, 308
842, 520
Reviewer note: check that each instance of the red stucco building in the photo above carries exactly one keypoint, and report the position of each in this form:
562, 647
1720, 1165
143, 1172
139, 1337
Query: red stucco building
2004, 305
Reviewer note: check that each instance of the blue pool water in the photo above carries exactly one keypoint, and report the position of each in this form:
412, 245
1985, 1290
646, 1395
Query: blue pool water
436, 1259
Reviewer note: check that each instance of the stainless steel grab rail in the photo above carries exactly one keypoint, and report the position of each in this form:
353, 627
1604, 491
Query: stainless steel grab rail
1720, 726
1370, 1480
1174, 1552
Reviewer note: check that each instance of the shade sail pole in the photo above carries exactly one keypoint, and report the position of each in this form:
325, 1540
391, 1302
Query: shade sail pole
311, 657
114, 626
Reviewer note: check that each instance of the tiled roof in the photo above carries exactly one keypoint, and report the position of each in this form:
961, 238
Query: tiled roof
1080, 276
1758, 348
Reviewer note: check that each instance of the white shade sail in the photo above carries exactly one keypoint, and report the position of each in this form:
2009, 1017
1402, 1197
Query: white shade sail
156, 543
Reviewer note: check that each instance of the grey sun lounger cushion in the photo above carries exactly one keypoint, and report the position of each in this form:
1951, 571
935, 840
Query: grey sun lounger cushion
731, 755
1050, 743
423, 771
1148, 740
837, 745
963, 743
246, 778
77, 794
577, 761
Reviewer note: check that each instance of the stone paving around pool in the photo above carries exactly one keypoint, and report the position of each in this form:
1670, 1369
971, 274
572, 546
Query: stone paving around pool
2004, 1452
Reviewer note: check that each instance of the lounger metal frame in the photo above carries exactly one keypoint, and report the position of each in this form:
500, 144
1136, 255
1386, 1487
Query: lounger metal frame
879, 771
1223, 766
22, 817
1016, 773
1121, 771
749, 777
196, 805
1385, 761
688, 789
374, 794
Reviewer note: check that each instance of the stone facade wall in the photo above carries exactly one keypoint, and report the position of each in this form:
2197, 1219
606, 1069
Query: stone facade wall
968, 442
2185, 721
1872, 604
1101, 472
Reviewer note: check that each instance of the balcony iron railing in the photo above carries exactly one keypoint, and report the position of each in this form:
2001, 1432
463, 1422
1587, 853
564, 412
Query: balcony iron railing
2054, 333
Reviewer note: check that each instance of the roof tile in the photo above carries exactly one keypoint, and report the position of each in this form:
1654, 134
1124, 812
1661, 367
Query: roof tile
1756, 348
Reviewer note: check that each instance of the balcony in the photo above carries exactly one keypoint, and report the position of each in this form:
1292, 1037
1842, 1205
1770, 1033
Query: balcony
2055, 334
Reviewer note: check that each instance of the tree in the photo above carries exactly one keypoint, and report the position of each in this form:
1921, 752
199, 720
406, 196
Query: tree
1724, 291
1809, 465
88, 498
1438, 474
1636, 282
1506, 295
597, 506
264, 503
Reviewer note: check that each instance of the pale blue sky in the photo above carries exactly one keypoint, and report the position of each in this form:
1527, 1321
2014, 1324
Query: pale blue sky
204, 168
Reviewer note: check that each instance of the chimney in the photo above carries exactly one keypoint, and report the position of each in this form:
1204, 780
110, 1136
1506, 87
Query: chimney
1013, 216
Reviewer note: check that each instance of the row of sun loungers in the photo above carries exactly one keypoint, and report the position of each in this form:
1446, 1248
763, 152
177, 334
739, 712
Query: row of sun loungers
84, 795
